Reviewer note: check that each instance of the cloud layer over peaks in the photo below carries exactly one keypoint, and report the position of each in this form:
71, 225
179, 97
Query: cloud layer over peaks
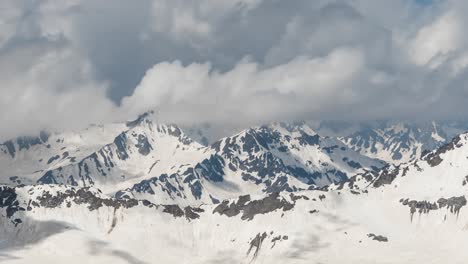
70, 63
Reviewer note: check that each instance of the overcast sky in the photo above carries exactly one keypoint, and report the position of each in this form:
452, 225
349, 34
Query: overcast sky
70, 63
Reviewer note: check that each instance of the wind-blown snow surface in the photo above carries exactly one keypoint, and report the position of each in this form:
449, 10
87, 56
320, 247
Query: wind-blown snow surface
270, 194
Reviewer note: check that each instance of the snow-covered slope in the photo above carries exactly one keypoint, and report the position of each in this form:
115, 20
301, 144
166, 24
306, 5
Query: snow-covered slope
413, 213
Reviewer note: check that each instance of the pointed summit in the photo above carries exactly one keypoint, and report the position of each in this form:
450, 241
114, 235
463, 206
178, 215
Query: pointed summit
146, 117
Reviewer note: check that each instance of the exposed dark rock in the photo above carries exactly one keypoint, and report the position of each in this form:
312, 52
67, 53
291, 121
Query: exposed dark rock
123, 195
368, 176
10, 147
52, 159
174, 210
308, 140
280, 184
465, 180
377, 237
330, 149
353, 164
101, 161
141, 118
28, 142
17, 221
420, 206
190, 213
298, 197
386, 176
212, 168
163, 182
278, 238
121, 143
193, 212
405, 171
195, 186
114, 222
143, 145
214, 200
257, 244
397, 155
48, 178
15, 179
8, 201
454, 203
82, 196
250, 209
248, 177
434, 158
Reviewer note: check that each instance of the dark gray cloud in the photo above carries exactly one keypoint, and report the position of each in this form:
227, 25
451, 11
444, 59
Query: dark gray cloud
66, 63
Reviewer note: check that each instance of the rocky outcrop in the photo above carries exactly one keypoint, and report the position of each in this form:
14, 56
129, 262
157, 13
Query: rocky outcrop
454, 204
378, 238
434, 158
250, 209
190, 213
56, 197
257, 244
423, 207
9, 201
386, 176
278, 238
175, 184
81, 196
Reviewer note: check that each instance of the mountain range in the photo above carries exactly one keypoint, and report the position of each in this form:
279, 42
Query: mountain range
299, 192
